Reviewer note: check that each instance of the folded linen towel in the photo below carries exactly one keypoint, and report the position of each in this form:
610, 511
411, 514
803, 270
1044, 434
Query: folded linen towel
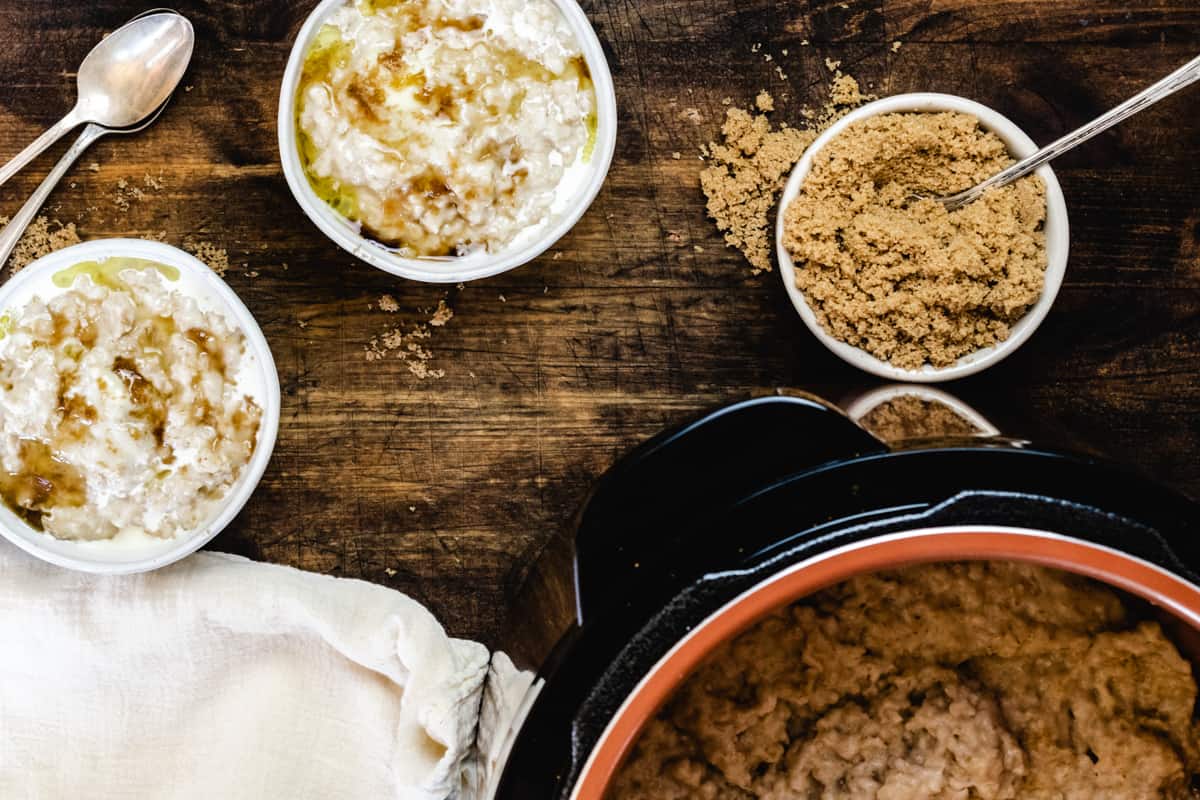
223, 678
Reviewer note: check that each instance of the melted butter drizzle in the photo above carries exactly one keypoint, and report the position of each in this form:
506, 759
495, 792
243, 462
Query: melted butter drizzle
107, 273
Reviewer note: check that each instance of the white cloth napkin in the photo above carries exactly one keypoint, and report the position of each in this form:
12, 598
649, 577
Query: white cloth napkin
219, 678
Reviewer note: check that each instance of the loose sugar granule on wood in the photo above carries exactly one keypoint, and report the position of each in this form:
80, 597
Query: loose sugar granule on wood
441, 315
408, 343
215, 257
42, 237
750, 169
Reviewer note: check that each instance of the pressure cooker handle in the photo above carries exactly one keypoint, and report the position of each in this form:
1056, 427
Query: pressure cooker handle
643, 513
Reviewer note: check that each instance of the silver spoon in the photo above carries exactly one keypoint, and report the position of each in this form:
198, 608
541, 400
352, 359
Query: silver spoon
1186, 75
125, 78
12, 232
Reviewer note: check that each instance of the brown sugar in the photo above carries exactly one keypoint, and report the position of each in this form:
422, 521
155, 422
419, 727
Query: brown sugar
908, 416
845, 91
408, 344
901, 277
217, 258
441, 315
42, 237
751, 165
750, 169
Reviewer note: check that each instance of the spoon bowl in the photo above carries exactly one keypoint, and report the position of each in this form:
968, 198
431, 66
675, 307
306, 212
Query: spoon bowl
132, 72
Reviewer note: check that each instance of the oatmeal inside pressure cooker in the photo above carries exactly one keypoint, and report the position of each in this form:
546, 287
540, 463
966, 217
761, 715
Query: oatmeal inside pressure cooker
445, 127
119, 407
977, 680
888, 269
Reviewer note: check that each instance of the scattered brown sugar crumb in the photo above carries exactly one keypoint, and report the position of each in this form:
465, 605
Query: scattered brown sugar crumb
903, 278
126, 195
157, 183
408, 347
750, 170
441, 315
909, 416
764, 101
750, 167
407, 343
896, 45
42, 237
845, 91
215, 257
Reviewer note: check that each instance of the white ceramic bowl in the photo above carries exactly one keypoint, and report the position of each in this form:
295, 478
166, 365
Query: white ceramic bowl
1057, 240
256, 377
584, 184
862, 405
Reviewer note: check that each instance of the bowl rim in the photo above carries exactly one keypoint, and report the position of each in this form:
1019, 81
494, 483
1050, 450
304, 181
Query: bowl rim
1057, 230
75, 555
929, 545
469, 268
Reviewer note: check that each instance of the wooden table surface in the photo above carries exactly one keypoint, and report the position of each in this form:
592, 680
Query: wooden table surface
446, 488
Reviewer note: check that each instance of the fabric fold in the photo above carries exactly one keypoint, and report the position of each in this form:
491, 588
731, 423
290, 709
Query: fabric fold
222, 677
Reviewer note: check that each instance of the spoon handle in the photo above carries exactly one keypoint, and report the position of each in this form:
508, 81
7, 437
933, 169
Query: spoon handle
55, 132
20, 221
1186, 75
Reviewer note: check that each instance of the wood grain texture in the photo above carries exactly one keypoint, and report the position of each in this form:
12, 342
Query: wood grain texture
446, 489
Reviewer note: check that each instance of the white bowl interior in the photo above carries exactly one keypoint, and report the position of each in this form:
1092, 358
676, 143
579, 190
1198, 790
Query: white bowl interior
256, 378
1057, 240
581, 183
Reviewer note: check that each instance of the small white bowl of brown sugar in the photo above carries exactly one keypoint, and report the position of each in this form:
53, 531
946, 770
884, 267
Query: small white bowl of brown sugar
888, 279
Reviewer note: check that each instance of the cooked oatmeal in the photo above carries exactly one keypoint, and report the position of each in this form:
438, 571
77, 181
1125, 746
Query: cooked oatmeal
119, 409
445, 127
979, 680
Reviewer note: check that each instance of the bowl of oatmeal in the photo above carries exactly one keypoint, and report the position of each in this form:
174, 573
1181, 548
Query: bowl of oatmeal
446, 140
139, 405
887, 279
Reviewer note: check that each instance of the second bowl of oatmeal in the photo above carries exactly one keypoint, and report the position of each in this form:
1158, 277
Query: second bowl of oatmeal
446, 140
894, 285
139, 405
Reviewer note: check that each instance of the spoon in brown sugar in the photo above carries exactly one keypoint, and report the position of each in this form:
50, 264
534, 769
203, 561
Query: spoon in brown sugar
1186, 75
123, 80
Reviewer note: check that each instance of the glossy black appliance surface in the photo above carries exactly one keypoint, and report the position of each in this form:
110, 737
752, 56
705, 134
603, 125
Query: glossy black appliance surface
695, 517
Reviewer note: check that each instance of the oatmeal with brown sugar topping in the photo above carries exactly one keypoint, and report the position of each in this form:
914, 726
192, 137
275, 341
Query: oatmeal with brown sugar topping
903, 278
